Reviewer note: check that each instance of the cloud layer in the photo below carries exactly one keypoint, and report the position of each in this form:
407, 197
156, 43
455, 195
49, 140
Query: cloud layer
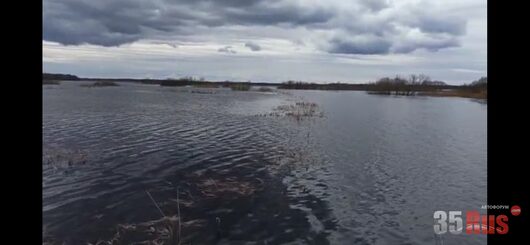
356, 27
336, 39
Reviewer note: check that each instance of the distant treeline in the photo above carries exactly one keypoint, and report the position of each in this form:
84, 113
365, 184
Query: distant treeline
405, 86
185, 81
163, 82
395, 85
57, 77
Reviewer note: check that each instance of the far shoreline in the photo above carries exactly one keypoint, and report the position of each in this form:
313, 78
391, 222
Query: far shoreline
416, 85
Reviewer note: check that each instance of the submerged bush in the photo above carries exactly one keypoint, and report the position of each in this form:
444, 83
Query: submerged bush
240, 86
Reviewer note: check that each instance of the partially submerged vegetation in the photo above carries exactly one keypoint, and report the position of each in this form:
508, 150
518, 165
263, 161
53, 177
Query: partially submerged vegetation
405, 86
240, 86
413, 85
201, 83
476, 90
180, 222
298, 111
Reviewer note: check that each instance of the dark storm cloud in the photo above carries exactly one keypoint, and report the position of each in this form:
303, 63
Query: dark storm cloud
436, 25
381, 45
405, 30
273, 15
375, 46
112, 23
253, 46
75, 22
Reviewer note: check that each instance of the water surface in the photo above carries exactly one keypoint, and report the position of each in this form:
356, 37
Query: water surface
371, 171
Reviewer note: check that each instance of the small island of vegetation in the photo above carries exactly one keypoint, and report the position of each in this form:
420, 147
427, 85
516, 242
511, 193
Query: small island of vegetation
201, 83
58, 77
240, 86
54, 79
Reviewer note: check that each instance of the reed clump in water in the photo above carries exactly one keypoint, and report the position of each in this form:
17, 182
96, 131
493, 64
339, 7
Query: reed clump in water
172, 229
298, 111
165, 230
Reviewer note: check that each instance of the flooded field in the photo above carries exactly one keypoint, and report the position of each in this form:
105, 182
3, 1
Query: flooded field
147, 164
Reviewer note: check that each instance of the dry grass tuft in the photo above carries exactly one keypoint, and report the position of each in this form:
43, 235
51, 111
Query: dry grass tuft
211, 189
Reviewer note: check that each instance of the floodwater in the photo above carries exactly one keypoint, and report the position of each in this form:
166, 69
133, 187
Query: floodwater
143, 163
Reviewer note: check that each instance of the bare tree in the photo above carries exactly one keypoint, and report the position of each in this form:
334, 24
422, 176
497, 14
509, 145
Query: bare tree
423, 78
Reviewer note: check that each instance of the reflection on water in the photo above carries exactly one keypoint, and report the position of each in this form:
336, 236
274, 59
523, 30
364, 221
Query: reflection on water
372, 170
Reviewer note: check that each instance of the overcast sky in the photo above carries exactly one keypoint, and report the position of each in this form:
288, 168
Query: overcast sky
267, 40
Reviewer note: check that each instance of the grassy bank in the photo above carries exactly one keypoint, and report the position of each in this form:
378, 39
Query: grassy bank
464, 93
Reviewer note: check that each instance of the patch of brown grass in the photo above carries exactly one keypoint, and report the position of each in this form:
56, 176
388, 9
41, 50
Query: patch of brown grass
161, 231
212, 188
464, 93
